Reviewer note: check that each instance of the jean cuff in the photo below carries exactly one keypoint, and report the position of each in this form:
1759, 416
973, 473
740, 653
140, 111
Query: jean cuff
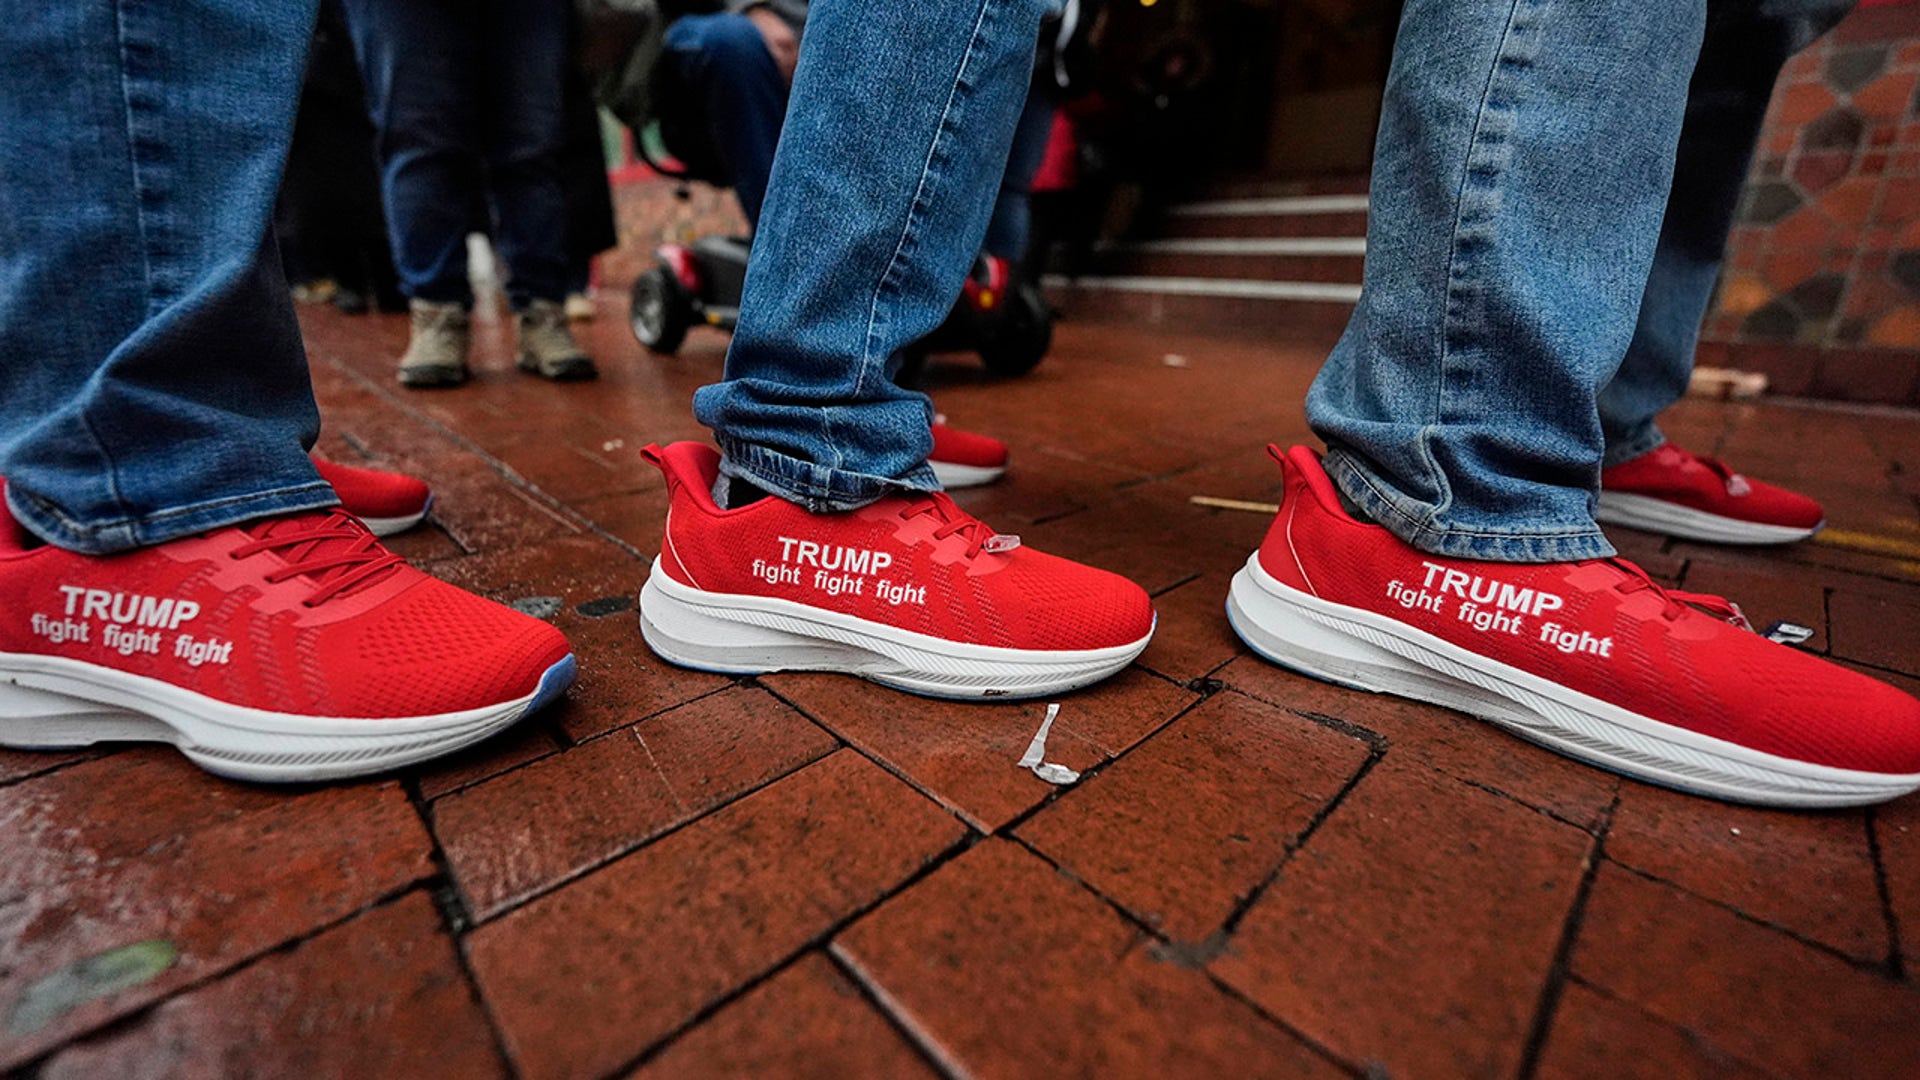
45, 520
1646, 442
818, 488
1413, 523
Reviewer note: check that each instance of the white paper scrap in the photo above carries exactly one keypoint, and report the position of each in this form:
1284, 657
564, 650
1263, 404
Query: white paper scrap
1036, 756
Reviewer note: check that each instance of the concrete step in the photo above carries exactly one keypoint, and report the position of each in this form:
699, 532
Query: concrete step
1255, 259
1228, 307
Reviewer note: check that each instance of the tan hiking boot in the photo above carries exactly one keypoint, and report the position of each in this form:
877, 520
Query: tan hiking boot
437, 353
547, 347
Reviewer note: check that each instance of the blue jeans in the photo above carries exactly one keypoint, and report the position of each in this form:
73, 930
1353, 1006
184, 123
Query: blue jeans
895, 142
468, 102
1536, 271
152, 381
722, 67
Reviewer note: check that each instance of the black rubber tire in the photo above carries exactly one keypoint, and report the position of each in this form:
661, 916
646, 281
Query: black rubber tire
661, 311
1021, 335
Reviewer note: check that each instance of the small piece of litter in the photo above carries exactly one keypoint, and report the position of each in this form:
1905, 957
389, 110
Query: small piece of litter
613, 444
1735, 832
1175, 360
1234, 504
1035, 757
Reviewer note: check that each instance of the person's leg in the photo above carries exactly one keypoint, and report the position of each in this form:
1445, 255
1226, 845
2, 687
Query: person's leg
723, 64
845, 558
155, 405
152, 383
524, 123
1007, 232
1524, 157
422, 65
1522, 173
886, 173
1745, 47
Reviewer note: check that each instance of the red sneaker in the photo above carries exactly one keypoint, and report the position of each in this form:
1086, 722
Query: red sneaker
1672, 491
911, 592
386, 503
962, 459
1592, 659
294, 648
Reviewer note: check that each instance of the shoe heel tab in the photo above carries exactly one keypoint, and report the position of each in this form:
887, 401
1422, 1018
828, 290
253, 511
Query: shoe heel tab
690, 468
1301, 467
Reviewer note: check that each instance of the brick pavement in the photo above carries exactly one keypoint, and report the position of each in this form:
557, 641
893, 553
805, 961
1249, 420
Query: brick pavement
681, 874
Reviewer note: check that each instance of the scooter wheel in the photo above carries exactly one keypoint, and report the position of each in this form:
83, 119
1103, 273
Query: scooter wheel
1021, 334
661, 311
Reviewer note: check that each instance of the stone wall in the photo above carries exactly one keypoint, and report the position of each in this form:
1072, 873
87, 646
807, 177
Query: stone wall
1822, 286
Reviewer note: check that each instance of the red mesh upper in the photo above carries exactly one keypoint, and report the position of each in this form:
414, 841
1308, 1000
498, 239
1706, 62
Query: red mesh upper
933, 584
368, 493
1675, 475
395, 644
958, 447
1665, 660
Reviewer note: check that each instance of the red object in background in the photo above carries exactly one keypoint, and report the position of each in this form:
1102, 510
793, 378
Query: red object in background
1060, 169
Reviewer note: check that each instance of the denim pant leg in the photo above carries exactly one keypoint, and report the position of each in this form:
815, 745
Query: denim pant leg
1522, 165
1013, 211
1745, 47
885, 176
152, 381
724, 63
421, 62
523, 124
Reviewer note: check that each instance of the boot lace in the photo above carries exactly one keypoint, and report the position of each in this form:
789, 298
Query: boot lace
335, 551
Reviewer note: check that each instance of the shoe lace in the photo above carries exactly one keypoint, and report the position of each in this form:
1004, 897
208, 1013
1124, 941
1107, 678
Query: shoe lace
1678, 601
957, 522
334, 550
1736, 484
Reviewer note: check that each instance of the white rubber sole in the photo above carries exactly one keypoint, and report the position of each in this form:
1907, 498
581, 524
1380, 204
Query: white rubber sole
55, 703
953, 475
1370, 651
1672, 519
756, 635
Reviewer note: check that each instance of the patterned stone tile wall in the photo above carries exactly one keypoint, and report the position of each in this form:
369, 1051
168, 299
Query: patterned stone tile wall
1822, 286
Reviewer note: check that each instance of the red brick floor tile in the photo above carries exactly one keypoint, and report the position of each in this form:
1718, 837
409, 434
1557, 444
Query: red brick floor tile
381, 995
964, 754
1189, 824
570, 812
1811, 874
529, 740
1595, 1037
475, 504
1741, 987
1897, 828
806, 1023
1416, 927
1880, 627
585, 979
20, 764
620, 678
1009, 969
1647, 550
1192, 637
1767, 593
1459, 745
141, 847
